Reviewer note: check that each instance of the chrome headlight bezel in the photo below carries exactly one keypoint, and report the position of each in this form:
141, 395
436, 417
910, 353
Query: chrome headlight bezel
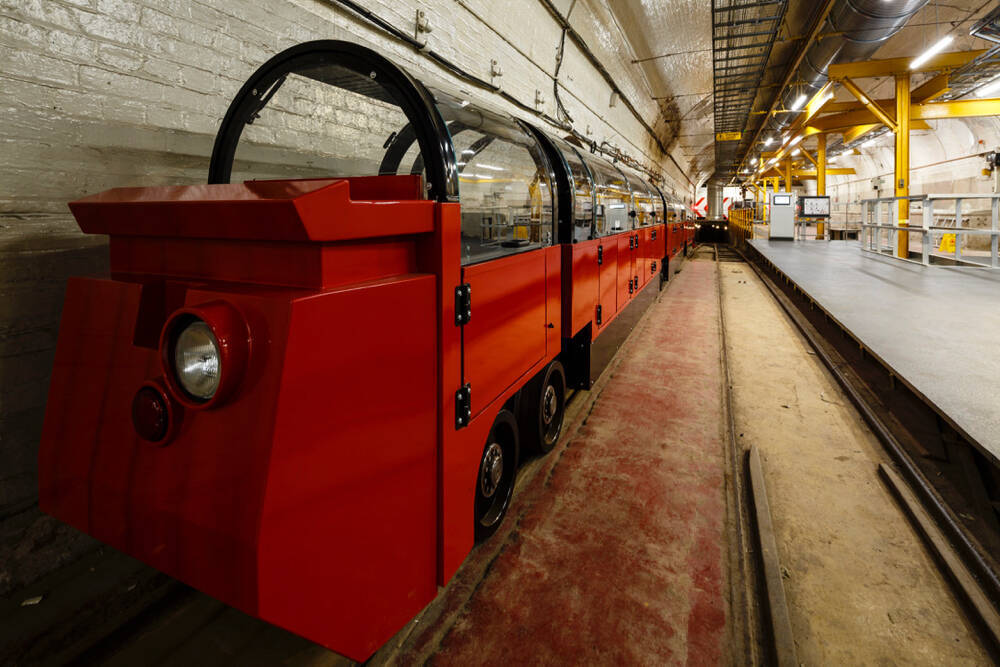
222, 328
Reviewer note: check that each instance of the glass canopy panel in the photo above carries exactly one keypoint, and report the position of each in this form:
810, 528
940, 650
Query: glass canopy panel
583, 191
504, 182
657, 202
319, 121
614, 199
642, 200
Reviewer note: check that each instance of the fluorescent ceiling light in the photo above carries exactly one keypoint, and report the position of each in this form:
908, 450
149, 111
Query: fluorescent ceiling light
870, 142
799, 102
769, 141
489, 166
796, 151
753, 161
931, 52
796, 140
989, 88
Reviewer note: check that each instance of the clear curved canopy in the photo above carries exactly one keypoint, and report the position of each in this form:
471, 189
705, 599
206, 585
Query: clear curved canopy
326, 109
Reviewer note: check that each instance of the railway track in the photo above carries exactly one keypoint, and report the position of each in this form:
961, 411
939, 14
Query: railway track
956, 531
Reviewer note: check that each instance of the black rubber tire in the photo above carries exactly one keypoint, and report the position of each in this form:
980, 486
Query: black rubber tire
494, 491
542, 411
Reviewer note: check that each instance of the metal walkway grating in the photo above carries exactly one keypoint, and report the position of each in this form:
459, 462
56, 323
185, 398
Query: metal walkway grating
743, 32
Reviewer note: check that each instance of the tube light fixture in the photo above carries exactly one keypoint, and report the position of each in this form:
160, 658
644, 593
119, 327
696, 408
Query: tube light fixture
989, 88
931, 52
870, 142
796, 140
769, 141
753, 161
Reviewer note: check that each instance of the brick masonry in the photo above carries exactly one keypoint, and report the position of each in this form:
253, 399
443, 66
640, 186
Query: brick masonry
103, 93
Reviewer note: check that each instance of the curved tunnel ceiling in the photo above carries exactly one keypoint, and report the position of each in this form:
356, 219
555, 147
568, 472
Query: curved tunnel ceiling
669, 45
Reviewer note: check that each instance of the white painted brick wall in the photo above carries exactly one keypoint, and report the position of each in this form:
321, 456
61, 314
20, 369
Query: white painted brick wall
102, 93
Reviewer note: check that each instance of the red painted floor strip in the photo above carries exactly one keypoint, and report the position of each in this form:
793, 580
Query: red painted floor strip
620, 556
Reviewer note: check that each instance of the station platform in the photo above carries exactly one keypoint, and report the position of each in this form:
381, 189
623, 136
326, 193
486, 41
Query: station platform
934, 327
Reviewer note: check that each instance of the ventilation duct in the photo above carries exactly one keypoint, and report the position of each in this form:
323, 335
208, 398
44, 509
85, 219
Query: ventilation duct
857, 28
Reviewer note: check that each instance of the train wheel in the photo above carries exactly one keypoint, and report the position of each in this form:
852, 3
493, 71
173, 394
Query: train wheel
543, 407
497, 470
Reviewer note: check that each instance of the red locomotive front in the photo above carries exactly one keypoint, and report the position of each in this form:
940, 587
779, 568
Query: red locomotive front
307, 397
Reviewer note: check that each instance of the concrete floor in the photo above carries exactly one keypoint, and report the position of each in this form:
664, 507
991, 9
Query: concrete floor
861, 588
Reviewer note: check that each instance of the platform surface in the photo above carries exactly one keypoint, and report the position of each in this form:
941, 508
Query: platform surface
937, 327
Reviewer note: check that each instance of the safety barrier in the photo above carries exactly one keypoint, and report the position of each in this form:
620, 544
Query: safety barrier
740, 225
944, 239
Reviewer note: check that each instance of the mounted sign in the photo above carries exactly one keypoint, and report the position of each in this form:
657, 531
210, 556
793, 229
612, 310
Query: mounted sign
728, 136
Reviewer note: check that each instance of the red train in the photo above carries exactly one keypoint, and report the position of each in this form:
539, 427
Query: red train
307, 397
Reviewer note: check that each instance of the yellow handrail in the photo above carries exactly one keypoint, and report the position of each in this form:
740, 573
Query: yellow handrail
740, 224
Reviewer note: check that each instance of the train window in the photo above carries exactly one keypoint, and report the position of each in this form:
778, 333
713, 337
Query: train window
504, 182
613, 201
583, 192
642, 201
657, 197
318, 121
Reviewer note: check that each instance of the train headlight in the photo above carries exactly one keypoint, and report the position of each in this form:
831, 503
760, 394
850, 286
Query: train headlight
204, 352
197, 360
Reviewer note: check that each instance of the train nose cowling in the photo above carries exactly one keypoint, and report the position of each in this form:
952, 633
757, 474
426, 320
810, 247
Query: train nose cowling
214, 412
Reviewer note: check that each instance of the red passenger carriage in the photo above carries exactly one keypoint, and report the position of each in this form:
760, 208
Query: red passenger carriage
307, 397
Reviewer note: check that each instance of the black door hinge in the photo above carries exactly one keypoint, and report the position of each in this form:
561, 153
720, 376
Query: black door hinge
598, 314
463, 406
631, 242
463, 304
654, 235
600, 254
652, 267
629, 285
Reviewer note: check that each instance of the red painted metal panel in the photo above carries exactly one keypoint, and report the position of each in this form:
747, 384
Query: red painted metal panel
661, 242
626, 268
581, 285
643, 255
553, 301
347, 545
308, 265
304, 210
458, 457
506, 334
608, 281
189, 508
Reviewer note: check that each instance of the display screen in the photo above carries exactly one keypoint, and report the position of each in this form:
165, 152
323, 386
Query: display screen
782, 200
815, 206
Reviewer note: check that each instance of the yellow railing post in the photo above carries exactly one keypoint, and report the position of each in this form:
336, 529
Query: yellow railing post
903, 160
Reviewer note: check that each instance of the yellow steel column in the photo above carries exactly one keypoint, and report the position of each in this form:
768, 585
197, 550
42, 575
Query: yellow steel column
903, 159
820, 175
788, 175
